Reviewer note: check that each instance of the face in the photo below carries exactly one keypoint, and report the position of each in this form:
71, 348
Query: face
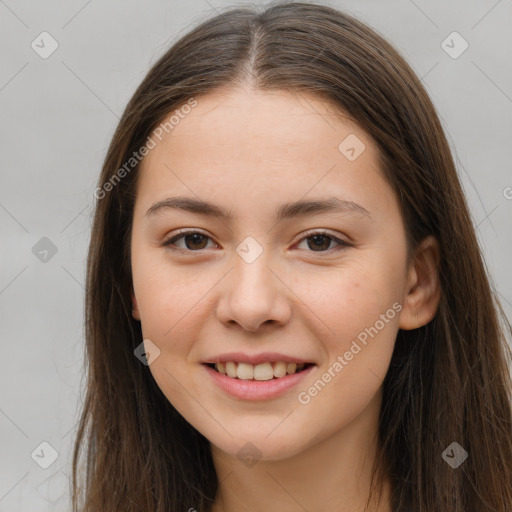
321, 285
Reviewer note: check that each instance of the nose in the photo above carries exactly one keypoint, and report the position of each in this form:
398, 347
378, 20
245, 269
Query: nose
254, 295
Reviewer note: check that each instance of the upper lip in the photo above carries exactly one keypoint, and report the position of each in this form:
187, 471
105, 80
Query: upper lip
253, 359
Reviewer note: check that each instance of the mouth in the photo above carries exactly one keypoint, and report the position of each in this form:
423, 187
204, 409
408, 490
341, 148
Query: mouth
274, 370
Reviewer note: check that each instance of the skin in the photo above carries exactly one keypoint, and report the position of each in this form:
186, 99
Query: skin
250, 151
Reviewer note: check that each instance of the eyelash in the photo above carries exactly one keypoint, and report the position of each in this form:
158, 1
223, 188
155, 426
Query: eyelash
170, 241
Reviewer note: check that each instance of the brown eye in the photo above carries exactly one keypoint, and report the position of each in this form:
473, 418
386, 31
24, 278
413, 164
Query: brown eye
194, 241
320, 241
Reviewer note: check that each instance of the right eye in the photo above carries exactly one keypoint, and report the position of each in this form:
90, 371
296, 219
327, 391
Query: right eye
194, 241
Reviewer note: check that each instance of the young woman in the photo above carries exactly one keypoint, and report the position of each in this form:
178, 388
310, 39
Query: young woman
286, 305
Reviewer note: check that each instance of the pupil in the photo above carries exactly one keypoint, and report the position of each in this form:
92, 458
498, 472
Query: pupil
318, 244
195, 236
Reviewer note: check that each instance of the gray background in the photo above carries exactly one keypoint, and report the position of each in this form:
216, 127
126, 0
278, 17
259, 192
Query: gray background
57, 117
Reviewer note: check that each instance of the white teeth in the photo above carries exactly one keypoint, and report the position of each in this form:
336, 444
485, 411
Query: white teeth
291, 367
263, 371
231, 369
245, 371
279, 369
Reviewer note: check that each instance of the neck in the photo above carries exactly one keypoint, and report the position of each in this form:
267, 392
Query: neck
334, 473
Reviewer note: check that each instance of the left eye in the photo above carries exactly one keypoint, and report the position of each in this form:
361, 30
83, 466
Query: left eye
194, 241
319, 241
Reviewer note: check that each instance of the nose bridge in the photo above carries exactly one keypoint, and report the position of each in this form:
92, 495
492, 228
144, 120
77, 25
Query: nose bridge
253, 294
251, 273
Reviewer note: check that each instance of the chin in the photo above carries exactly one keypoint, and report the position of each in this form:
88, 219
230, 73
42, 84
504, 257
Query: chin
257, 445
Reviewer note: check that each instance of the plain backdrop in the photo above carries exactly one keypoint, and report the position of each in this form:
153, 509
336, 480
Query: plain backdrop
57, 117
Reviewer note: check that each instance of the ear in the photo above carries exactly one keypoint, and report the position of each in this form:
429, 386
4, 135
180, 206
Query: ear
423, 291
135, 309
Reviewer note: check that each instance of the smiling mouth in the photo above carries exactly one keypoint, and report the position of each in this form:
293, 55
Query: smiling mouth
260, 372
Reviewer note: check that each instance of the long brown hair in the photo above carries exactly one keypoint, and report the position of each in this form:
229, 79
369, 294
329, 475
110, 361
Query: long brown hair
447, 382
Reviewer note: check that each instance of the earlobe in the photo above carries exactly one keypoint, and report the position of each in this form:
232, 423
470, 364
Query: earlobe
135, 309
423, 291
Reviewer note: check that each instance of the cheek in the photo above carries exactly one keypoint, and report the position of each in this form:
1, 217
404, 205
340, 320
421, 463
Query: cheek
175, 303
356, 311
343, 302
161, 289
173, 306
169, 306
358, 351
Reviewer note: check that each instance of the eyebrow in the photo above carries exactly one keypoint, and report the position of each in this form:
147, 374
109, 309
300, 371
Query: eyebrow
285, 211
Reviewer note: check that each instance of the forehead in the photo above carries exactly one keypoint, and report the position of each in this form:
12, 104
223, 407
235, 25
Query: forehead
247, 120
257, 145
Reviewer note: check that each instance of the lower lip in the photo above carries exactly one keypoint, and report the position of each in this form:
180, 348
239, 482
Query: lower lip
257, 389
